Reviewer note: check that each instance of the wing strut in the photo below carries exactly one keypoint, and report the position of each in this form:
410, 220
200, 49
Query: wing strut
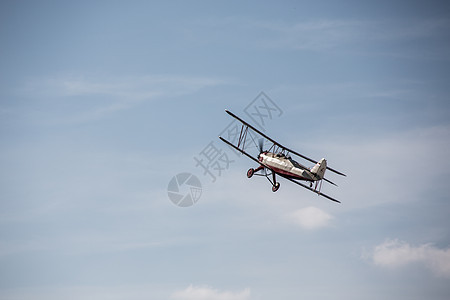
238, 149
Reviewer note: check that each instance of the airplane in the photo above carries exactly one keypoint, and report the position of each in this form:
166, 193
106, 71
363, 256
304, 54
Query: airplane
278, 161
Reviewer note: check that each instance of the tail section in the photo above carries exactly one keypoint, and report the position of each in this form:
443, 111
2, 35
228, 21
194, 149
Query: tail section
319, 168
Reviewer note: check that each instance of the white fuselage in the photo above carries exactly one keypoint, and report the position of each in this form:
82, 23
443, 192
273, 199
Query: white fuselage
281, 164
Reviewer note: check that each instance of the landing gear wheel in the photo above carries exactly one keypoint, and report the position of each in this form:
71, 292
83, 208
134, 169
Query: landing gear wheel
275, 187
250, 172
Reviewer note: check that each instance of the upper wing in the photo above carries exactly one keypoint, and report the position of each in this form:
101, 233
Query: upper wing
278, 144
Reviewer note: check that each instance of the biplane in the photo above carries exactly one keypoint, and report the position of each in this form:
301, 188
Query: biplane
277, 160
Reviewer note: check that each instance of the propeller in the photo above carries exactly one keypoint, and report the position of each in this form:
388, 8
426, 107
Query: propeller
260, 145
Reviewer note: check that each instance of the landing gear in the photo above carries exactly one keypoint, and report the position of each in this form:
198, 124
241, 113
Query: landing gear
252, 171
275, 184
275, 187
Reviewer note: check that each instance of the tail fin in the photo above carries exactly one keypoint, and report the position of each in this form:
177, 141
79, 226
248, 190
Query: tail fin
319, 168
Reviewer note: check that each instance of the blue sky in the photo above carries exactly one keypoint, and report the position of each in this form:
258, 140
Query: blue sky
103, 102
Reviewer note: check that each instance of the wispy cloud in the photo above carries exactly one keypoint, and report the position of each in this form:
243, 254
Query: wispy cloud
396, 253
310, 35
146, 86
86, 242
387, 165
310, 218
357, 36
208, 293
87, 292
103, 97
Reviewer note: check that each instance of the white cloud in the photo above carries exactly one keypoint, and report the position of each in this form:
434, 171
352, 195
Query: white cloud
310, 218
395, 253
208, 293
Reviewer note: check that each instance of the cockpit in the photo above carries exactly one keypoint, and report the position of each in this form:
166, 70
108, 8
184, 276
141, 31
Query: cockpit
282, 155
